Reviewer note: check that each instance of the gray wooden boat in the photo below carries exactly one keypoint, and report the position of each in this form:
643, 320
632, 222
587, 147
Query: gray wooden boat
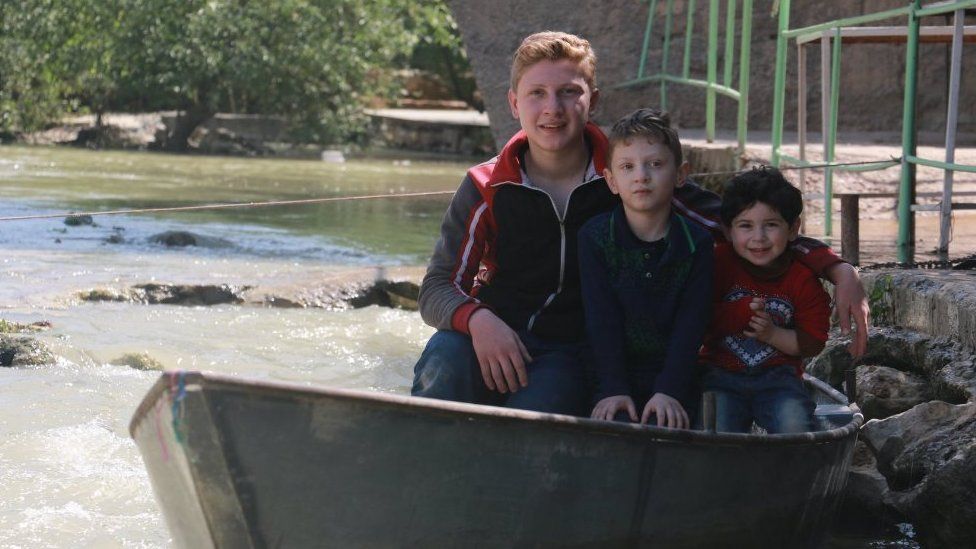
238, 463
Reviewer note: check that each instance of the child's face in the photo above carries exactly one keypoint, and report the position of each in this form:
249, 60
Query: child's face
759, 234
553, 103
644, 174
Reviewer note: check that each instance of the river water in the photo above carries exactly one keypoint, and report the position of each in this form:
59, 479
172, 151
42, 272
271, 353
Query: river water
69, 473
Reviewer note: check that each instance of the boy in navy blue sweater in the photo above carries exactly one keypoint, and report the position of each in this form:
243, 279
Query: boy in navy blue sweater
646, 276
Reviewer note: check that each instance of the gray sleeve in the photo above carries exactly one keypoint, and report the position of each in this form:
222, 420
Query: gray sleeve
456, 258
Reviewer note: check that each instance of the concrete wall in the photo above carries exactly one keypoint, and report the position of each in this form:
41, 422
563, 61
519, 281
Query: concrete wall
872, 74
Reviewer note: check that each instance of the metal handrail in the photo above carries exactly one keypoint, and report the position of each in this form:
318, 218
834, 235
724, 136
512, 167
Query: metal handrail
713, 84
831, 32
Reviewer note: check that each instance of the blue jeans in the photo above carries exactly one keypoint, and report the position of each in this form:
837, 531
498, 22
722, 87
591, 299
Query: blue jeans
448, 370
774, 398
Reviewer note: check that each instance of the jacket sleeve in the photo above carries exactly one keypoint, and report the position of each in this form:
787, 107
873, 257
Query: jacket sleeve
815, 255
704, 207
812, 318
677, 377
445, 299
604, 320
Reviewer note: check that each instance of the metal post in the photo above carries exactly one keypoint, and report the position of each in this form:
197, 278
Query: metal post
729, 43
779, 81
825, 55
665, 54
850, 218
647, 38
801, 120
689, 29
712, 70
952, 118
850, 385
745, 46
708, 411
832, 135
906, 189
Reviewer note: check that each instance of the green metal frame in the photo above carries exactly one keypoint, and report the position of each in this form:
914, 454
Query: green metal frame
909, 159
711, 83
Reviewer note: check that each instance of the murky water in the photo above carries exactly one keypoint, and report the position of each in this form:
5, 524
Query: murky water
69, 473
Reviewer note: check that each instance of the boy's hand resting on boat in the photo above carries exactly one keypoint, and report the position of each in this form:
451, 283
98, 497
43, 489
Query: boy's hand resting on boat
501, 354
608, 408
669, 412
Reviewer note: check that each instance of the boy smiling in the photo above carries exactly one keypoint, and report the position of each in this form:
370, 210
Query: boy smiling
770, 311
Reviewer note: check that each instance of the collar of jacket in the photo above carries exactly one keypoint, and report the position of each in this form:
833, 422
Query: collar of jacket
679, 242
505, 168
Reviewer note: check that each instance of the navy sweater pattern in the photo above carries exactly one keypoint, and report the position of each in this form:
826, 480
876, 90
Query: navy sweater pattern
647, 305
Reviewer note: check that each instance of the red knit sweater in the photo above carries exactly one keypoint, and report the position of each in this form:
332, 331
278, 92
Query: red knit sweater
794, 299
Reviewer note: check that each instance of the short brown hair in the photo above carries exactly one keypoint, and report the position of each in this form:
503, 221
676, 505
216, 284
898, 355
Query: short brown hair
646, 124
554, 46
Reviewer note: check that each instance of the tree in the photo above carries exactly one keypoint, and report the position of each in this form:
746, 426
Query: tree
312, 61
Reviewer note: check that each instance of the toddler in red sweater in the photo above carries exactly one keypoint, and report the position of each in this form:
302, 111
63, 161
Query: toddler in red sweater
769, 312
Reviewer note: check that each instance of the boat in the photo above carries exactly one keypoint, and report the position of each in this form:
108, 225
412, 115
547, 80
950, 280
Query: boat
253, 463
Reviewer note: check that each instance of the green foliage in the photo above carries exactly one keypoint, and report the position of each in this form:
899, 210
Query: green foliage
880, 300
312, 61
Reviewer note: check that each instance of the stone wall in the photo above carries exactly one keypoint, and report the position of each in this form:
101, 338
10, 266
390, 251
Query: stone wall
872, 77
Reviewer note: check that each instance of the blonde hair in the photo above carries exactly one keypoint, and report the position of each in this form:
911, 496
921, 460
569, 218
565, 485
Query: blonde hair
554, 46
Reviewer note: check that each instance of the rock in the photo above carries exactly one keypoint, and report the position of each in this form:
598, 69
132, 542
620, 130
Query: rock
23, 351
185, 238
7, 327
138, 361
114, 239
225, 141
884, 391
105, 294
386, 293
173, 294
928, 456
946, 367
864, 509
77, 220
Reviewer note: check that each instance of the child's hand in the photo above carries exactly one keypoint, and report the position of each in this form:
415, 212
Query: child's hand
608, 407
669, 412
761, 324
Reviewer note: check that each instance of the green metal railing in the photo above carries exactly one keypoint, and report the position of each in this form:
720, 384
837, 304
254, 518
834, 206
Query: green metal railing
832, 32
711, 83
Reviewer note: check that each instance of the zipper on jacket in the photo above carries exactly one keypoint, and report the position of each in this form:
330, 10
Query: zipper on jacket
562, 242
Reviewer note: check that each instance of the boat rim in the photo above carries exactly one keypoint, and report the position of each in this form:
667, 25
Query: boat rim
170, 378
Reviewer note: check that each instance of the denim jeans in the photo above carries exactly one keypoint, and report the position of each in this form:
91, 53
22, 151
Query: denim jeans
448, 370
774, 398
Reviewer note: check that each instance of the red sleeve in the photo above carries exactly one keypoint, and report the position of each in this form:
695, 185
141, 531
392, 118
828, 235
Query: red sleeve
815, 255
812, 316
462, 316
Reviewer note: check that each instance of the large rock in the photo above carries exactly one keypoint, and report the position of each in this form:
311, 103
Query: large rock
864, 509
170, 294
928, 456
943, 365
186, 294
23, 351
884, 391
185, 238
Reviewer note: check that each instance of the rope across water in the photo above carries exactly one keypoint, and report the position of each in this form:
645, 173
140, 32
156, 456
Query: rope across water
353, 198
